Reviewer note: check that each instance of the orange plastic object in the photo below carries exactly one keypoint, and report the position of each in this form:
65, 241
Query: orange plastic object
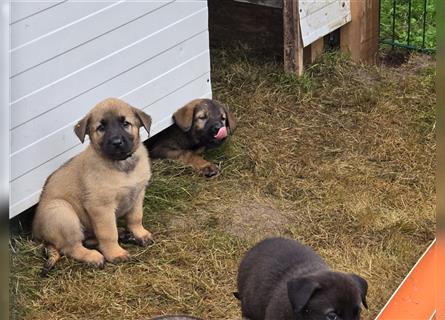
415, 298
440, 278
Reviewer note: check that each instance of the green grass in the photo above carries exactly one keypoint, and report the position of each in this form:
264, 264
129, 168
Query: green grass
402, 22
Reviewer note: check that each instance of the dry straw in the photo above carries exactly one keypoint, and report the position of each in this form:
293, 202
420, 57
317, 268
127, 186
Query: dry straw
341, 159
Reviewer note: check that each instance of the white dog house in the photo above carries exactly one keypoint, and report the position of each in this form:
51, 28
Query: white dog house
68, 55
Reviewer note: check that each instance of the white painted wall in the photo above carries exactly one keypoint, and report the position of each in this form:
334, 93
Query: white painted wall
4, 112
68, 55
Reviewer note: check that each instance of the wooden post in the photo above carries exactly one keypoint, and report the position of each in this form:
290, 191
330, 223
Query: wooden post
293, 44
360, 37
313, 51
317, 49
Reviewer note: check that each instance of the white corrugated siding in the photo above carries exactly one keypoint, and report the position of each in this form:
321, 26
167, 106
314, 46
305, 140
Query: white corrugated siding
68, 55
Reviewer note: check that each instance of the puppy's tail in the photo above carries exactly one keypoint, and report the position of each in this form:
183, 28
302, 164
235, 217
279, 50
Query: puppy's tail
237, 295
53, 255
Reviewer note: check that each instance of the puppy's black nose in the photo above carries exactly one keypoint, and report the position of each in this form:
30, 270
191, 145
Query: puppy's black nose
214, 130
117, 141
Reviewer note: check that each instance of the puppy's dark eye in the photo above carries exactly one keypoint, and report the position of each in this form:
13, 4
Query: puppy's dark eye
100, 128
223, 118
332, 316
202, 117
126, 124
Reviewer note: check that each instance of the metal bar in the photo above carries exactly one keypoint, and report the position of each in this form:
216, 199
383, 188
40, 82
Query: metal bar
402, 45
380, 17
409, 22
409, 42
424, 24
393, 21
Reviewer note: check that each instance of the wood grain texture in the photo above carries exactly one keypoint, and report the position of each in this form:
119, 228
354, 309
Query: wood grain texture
313, 51
360, 37
266, 3
319, 18
257, 26
293, 45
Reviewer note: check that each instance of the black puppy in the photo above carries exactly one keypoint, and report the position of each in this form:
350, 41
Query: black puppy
281, 279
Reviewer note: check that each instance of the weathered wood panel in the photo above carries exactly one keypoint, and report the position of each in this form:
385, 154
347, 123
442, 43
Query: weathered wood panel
360, 37
319, 18
258, 27
293, 47
266, 3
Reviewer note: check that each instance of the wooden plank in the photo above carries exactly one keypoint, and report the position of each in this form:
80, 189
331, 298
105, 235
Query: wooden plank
123, 48
4, 115
265, 3
317, 49
24, 9
320, 18
25, 191
360, 37
52, 19
416, 296
161, 110
156, 58
313, 51
117, 14
140, 93
73, 84
72, 109
293, 45
259, 27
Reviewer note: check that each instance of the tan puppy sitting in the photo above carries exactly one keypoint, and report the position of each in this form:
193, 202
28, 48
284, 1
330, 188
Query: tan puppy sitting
83, 198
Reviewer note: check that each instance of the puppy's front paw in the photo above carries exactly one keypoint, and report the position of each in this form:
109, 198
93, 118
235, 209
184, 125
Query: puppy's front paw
117, 255
210, 170
144, 240
95, 258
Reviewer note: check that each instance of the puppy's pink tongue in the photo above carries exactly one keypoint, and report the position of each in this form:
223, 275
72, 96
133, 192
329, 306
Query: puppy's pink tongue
222, 133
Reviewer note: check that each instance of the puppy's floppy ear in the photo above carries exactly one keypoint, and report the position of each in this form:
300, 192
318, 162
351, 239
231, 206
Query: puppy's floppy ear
231, 120
363, 287
300, 291
144, 118
184, 116
82, 128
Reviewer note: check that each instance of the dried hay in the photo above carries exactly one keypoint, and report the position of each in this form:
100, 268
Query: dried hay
341, 159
